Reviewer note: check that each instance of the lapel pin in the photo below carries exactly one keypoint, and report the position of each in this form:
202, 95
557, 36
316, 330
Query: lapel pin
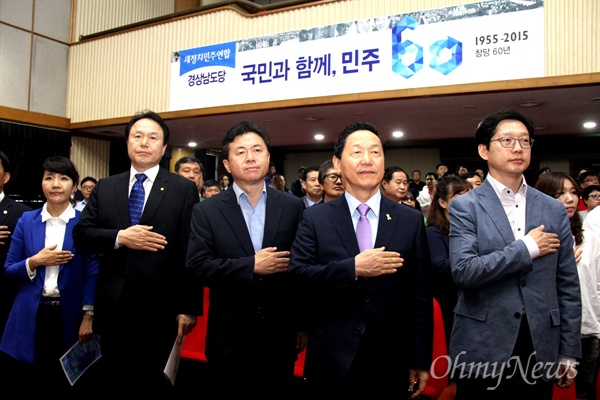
162, 189
388, 217
5, 212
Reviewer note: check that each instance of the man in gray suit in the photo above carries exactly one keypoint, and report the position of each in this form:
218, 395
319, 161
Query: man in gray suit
511, 254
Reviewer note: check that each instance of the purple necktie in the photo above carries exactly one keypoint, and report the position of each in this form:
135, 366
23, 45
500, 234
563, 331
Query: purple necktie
363, 228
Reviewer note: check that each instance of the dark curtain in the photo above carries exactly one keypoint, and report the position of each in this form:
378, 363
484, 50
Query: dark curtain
27, 147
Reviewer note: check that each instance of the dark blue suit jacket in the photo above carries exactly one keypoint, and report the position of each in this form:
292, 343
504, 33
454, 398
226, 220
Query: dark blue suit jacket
251, 318
391, 316
135, 285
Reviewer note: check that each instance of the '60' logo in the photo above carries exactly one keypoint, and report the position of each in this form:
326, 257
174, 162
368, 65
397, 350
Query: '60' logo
413, 53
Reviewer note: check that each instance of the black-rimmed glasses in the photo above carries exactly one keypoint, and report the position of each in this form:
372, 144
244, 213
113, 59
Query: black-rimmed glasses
510, 142
333, 177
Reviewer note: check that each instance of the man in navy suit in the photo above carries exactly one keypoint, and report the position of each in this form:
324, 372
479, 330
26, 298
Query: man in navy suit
144, 301
10, 212
511, 255
239, 248
370, 312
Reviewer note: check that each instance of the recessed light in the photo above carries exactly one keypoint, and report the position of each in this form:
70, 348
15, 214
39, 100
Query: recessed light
192, 144
398, 134
540, 128
589, 125
530, 103
319, 136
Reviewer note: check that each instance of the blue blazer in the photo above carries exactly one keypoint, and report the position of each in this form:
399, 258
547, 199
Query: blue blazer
497, 280
391, 316
76, 282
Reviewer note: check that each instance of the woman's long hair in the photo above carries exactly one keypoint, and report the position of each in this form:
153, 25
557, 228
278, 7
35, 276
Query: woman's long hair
446, 188
552, 184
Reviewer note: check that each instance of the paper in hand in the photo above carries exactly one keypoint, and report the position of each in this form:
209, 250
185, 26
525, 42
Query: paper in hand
79, 358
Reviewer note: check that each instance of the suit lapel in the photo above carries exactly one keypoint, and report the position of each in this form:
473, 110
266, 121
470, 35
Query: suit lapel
157, 193
5, 207
38, 240
342, 221
273, 214
533, 217
121, 199
388, 219
232, 214
493, 207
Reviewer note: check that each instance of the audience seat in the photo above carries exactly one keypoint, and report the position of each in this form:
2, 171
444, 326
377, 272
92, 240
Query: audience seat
438, 375
193, 346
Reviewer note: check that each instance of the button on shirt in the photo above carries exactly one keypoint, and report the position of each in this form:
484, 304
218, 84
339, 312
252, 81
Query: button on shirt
55, 235
515, 206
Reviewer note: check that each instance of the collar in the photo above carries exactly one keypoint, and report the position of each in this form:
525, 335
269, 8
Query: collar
65, 216
374, 202
238, 191
500, 188
151, 173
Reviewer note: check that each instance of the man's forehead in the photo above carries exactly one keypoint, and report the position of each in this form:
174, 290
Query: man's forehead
190, 165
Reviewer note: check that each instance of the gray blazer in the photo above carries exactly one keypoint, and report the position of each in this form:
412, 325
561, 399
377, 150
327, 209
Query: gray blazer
497, 281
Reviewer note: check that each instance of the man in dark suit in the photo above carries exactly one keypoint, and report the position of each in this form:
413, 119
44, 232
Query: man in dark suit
311, 186
370, 312
143, 299
518, 315
10, 212
239, 248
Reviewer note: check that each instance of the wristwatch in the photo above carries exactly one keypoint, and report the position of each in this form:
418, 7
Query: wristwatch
88, 312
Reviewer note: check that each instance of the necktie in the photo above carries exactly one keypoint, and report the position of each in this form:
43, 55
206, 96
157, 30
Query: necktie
363, 228
136, 199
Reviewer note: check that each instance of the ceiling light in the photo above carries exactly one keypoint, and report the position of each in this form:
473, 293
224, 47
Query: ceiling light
398, 134
319, 136
192, 144
589, 125
530, 103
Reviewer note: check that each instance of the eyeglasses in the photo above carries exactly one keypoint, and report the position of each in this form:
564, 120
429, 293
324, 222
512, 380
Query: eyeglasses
509, 142
87, 187
594, 196
591, 180
333, 177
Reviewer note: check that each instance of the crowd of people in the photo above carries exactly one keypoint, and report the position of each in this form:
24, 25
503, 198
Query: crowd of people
345, 266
